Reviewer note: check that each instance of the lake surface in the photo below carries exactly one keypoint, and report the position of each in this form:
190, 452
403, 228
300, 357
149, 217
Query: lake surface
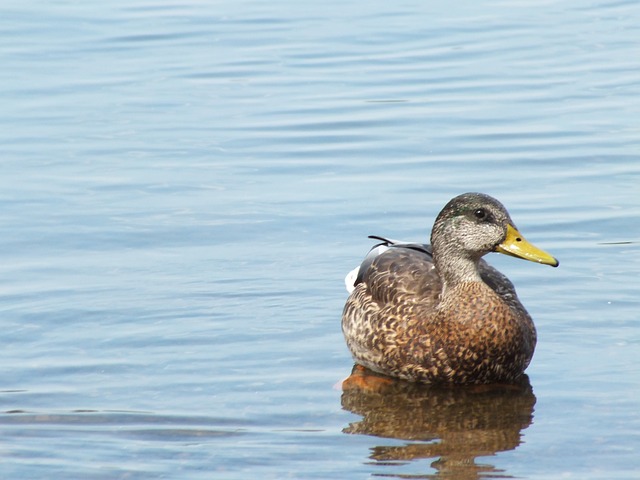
184, 186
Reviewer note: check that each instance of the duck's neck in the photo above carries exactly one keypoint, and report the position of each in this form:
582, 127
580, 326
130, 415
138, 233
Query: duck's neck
458, 271
454, 267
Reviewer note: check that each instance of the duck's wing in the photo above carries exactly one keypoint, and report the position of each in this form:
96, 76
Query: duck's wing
396, 271
356, 276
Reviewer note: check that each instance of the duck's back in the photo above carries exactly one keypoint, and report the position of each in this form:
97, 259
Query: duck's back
403, 275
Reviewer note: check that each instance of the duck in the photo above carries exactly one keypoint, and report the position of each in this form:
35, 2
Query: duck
439, 313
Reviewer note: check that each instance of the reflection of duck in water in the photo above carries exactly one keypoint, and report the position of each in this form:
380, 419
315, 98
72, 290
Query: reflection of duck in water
455, 425
439, 313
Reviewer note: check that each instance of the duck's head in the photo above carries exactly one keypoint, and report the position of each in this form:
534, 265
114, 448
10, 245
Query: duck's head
474, 224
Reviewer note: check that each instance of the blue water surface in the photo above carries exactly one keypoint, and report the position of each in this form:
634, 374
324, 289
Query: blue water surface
184, 186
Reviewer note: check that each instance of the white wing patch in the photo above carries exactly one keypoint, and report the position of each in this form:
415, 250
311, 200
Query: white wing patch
350, 279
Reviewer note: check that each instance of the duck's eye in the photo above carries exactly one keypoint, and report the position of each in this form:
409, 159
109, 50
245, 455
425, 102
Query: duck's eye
480, 214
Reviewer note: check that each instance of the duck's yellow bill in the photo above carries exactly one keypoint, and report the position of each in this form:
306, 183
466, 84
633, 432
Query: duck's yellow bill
516, 246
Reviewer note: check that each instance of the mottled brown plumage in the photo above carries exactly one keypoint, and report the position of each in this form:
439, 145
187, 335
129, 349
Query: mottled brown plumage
440, 313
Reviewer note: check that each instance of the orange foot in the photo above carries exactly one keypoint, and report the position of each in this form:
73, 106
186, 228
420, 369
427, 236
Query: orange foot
364, 379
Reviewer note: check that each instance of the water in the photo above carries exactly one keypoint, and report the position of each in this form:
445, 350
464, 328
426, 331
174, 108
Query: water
185, 185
